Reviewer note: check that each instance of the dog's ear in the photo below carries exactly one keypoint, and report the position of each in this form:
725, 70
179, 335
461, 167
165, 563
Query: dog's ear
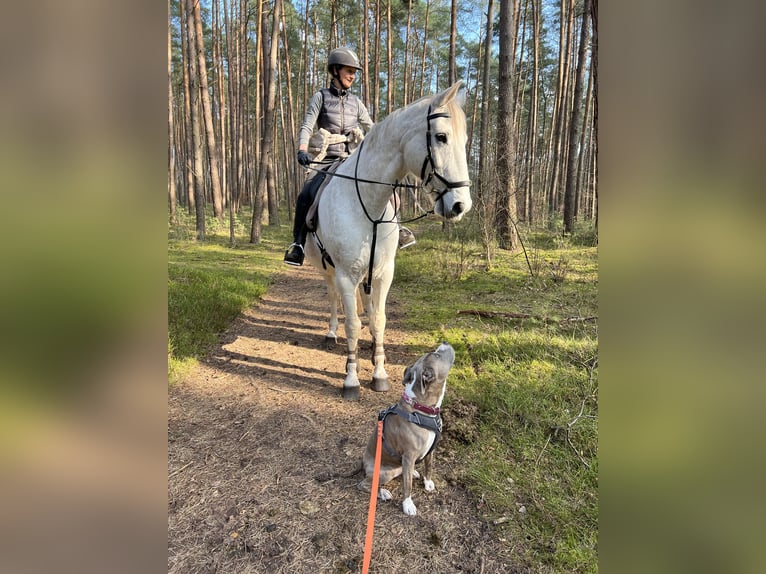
408, 376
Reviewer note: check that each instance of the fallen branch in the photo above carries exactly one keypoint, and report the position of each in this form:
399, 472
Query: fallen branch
510, 315
175, 472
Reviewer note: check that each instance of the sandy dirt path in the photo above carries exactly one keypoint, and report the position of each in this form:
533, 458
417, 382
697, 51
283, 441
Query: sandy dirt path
256, 432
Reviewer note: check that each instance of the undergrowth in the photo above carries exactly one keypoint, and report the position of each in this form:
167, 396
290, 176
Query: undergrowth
521, 411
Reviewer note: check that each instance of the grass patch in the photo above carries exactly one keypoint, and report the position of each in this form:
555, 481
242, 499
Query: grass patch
211, 282
523, 401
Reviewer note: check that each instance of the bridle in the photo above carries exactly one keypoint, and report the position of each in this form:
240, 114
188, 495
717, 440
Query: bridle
429, 160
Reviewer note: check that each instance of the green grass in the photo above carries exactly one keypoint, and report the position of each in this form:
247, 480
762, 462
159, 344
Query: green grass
522, 406
211, 282
523, 392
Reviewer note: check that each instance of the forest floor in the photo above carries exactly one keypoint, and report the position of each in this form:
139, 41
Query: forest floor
258, 437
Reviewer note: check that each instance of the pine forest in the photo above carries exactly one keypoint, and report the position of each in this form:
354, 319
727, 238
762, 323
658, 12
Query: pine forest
240, 74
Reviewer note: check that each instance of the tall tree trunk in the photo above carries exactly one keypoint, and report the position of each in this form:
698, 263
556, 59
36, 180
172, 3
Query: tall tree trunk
406, 75
291, 165
583, 157
304, 69
390, 78
365, 52
425, 50
560, 109
267, 150
594, 72
191, 194
485, 99
452, 73
171, 141
484, 198
207, 115
258, 84
376, 59
233, 83
271, 114
199, 183
506, 196
575, 125
530, 156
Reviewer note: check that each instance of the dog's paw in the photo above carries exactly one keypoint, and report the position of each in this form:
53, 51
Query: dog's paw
428, 485
409, 507
415, 474
384, 494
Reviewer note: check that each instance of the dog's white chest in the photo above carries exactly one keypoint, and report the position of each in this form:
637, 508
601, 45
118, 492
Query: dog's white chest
429, 444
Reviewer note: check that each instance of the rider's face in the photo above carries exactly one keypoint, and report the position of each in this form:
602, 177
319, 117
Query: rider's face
347, 75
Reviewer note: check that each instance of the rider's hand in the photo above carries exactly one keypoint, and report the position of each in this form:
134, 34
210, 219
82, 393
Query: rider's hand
303, 158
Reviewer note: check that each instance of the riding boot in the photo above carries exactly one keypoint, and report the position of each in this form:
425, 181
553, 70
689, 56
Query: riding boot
295, 254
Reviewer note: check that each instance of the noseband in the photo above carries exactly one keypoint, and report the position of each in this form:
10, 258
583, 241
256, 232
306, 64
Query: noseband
429, 160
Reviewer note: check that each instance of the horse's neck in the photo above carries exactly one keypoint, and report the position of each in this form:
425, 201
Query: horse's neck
382, 158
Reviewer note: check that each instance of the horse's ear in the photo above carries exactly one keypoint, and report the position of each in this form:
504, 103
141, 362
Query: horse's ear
445, 97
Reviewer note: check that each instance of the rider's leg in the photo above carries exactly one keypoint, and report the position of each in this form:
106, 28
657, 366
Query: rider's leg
294, 254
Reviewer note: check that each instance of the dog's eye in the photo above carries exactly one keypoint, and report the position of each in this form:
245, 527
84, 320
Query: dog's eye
441, 138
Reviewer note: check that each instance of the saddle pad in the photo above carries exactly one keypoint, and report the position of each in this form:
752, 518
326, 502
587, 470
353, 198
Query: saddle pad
312, 210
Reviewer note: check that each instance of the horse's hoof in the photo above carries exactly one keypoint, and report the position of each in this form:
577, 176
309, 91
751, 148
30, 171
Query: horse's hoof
380, 385
330, 342
350, 393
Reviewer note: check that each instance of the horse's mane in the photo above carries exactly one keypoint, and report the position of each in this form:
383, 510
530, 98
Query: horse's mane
453, 107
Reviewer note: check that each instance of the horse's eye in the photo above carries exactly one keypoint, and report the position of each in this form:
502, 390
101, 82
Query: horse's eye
441, 138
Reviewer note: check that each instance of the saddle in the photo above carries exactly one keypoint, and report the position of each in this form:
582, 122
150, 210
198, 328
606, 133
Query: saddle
322, 180
318, 144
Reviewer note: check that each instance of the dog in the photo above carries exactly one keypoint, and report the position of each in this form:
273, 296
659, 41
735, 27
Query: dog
411, 428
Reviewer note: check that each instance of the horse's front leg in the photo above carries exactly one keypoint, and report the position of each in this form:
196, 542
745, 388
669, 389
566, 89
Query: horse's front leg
347, 290
378, 296
332, 294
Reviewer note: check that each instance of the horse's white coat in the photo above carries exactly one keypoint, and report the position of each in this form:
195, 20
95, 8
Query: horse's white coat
393, 148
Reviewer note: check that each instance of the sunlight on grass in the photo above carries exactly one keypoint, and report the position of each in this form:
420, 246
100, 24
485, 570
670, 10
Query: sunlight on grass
209, 284
530, 450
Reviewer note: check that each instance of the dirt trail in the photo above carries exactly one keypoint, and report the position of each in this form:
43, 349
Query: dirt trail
255, 432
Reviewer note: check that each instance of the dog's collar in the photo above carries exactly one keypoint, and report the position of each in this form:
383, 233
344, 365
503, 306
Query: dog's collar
426, 410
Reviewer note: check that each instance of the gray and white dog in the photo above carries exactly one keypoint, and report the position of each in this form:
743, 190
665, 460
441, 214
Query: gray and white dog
412, 427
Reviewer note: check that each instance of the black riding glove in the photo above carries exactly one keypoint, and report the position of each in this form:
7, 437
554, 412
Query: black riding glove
303, 158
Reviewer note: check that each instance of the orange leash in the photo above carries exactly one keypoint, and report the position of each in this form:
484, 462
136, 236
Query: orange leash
373, 502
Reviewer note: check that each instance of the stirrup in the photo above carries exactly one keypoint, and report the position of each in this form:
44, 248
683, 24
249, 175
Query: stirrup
406, 238
293, 256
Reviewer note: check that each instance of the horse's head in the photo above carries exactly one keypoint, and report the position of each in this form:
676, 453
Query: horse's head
445, 167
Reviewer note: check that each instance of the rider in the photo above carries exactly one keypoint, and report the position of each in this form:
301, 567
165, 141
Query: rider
339, 112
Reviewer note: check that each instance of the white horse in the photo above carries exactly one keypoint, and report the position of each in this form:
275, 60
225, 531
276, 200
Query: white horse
357, 226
